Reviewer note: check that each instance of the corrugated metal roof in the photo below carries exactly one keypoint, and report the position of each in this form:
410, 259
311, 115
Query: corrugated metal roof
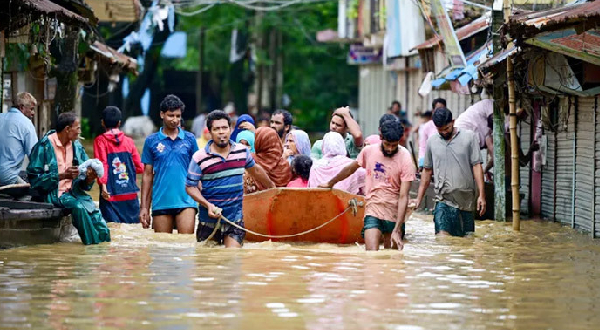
498, 58
47, 7
523, 25
114, 57
584, 46
464, 32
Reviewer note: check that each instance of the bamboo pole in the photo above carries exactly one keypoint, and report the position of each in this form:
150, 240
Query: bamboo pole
514, 164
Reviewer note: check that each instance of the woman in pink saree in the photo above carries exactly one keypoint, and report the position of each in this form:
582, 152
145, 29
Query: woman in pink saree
333, 161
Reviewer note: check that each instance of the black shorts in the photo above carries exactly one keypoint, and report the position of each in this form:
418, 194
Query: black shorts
171, 211
205, 229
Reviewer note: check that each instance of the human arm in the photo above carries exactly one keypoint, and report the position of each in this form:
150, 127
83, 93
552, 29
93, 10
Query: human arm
100, 153
88, 182
247, 126
489, 142
259, 174
147, 183
287, 153
196, 194
426, 174
347, 171
137, 161
425, 181
475, 160
402, 207
352, 126
146, 198
478, 175
192, 184
525, 159
30, 140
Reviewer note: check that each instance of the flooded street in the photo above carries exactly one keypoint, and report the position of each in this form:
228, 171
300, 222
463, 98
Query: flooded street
542, 278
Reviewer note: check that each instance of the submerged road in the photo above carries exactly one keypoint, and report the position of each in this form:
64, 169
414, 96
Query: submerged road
545, 277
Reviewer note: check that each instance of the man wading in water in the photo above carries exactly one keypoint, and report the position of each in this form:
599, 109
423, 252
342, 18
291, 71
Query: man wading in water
453, 156
390, 171
215, 179
166, 155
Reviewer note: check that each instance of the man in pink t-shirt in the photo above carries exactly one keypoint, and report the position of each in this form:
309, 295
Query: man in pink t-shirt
390, 171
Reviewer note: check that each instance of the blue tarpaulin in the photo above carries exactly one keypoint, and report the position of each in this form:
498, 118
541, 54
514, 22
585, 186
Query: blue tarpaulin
175, 46
466, 74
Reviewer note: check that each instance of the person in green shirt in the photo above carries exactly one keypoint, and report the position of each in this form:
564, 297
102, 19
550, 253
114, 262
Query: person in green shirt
342, 122
54, 175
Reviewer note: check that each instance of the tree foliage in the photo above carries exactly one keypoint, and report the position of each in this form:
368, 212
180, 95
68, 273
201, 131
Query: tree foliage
316, 77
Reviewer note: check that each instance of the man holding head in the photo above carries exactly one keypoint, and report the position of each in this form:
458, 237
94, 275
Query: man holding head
17, 139
342, 122
453, 157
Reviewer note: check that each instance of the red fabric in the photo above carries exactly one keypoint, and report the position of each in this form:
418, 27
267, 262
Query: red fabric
298, 183
122, 198
114, 141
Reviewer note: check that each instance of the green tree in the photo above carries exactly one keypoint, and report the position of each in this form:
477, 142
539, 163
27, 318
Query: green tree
315, 76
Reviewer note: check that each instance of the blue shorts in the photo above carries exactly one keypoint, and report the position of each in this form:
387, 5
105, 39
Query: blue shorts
452, 220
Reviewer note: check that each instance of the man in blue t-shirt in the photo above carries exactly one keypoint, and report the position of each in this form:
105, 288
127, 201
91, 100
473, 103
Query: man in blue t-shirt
166, 156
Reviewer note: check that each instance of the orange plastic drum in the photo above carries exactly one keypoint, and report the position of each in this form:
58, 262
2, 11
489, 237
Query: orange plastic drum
284, 211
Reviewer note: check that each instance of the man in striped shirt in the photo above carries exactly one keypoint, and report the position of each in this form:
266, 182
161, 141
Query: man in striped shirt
215, 180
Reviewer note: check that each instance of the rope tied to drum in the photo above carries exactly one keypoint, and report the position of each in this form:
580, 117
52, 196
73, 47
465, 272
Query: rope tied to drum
353, 205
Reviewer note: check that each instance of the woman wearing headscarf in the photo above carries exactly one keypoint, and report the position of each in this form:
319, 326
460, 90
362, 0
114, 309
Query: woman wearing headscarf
269, 155
333, 161
246, 138
296, 143
239, 127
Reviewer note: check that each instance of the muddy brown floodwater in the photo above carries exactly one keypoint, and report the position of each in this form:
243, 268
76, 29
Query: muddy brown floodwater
545, 277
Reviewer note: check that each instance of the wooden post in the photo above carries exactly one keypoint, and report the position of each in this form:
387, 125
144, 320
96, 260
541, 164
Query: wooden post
514, 164
498, 129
